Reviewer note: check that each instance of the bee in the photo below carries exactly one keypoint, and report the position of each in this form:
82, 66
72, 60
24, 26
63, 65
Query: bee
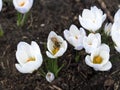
56, 43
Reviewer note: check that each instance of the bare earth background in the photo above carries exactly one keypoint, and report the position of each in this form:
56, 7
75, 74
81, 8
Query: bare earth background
56, 15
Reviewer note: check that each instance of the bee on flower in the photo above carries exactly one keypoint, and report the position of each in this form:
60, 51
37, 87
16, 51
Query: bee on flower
56, 45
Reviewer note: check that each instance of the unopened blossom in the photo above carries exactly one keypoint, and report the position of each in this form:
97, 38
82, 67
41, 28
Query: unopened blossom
56, 45
91, 42
28, 56
99, 58
115, 34
107, 29
50, 77
1, 5
23, 6
92, 19
75, 36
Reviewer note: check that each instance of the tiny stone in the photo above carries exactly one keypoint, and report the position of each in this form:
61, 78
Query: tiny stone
42, 25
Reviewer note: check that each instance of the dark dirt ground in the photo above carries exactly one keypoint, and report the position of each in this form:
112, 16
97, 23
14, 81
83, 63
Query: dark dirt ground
56, 15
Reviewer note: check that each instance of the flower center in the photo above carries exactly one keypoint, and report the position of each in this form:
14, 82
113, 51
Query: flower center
97, 60
30, 59
22, 3
55, 50
49, 75
89, 43
76, 37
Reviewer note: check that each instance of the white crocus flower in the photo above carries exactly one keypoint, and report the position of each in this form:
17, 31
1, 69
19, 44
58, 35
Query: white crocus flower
99, 58
75, 36
115, 34
1, 5
117, 16
56, 45
92, 19
23, 6
91, 42
107, 29
50, 77
28, 56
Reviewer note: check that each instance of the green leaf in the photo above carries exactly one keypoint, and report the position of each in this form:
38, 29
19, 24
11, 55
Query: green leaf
56, 74
1, 31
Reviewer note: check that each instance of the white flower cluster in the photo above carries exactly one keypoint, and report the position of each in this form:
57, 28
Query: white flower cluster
29, 57
92, 21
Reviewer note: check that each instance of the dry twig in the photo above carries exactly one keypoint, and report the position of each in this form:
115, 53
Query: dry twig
103, 5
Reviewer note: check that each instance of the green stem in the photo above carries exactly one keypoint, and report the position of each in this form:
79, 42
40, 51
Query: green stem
21, 19
77, 57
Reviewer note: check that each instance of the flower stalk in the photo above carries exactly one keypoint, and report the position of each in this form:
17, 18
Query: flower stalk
21, 19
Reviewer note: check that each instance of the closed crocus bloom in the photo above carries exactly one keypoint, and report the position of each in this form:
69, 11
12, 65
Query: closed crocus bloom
50, 77
28, 56
107, 29
91, 42
23, 6
99, 58
92, 19
117, 16
115, 34
56, 45
75, 36
0, 5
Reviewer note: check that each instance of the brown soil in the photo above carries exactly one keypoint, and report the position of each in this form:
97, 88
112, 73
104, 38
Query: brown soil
56, 15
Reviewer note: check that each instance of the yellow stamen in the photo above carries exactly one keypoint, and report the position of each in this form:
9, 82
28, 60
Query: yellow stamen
97, 60
30, 59
55, 50
22, 3
90, 43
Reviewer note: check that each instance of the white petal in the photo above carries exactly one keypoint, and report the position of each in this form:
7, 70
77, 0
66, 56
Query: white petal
21, 57
88, 61
25, 8
22, 69
52, 34
104, 47
82, 32
103, 18
67, 34
78, 47
1, 5
50, 55
117, 48
23, 52
117, 16
106, 67
30, 66
74, 30
35, 48
105, 55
